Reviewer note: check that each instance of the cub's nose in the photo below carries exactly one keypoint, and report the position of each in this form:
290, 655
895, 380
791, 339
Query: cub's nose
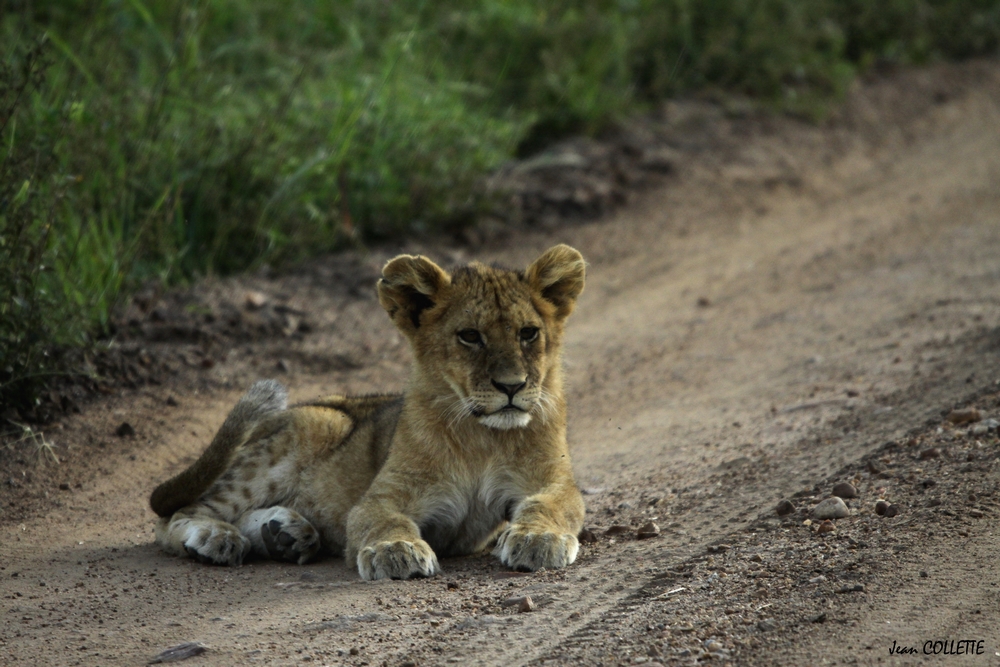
508, 388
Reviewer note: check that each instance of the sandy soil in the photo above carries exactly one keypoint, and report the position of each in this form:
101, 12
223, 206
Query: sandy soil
790, 308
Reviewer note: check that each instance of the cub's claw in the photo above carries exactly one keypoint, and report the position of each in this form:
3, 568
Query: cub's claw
521, 549
397, 560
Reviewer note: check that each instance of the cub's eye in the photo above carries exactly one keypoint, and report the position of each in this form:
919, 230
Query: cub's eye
528, 334
470, 337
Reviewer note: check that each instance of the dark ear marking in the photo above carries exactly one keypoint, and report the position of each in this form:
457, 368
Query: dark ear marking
418, 304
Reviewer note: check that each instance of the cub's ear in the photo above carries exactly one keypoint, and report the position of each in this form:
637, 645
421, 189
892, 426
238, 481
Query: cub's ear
558, 277
410, 284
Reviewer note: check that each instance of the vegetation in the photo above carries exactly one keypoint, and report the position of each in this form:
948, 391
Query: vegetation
146, 139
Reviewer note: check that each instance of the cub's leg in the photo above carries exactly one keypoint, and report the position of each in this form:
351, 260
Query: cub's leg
198, 532
543, 530
279, 533
382, 541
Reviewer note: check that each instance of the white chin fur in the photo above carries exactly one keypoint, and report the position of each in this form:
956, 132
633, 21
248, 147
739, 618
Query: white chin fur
506, 419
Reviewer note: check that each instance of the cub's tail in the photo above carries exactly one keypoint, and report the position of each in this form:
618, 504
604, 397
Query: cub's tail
264, 398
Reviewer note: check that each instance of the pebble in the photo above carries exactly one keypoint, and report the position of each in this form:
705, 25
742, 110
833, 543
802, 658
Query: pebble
718, 548
845, 490
616, 530
880, 507
172, 402
930, 453
647, 531
587, 536
765, 626
964, 416
977, 514
980, 429
831, 508
526, 604
452, 586
891, 511
826, 527
873, 467
125, 430
256, 300
713, 645
179, 652
818, 579
991, 424
784, 508
818, 618
856, 588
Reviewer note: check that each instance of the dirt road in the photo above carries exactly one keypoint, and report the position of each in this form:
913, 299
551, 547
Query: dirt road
796, 306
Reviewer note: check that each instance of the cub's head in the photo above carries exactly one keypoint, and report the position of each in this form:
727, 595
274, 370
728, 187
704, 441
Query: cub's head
485, 339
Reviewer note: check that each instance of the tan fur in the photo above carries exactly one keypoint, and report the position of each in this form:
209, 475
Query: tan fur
474, 453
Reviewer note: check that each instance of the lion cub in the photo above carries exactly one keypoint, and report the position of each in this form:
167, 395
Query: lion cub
473, 453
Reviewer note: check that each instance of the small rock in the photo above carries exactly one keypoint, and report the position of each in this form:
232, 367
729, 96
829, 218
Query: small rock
873, 467
977, 514
713, 645
817, 579
831, 508
856, 588
587, 536
647, 531
930, 453
845, 490
617, 530
179, 652
719, 548
964, 416
125, 430
625, 505
880, 507
826, 527
64, 487
973, 497
818, 618
891, 511
452, 586
765, 625
784, 508
171, 401
354, 651
283, 366
979, 429
256, 300
525, 605
703, 302
991, 424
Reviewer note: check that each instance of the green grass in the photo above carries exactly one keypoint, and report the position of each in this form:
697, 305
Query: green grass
152, 140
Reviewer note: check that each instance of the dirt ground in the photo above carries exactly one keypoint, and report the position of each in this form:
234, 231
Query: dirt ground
788, 307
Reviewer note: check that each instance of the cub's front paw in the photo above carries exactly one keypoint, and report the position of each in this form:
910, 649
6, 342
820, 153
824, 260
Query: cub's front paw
397, 560
217, 543
520, 548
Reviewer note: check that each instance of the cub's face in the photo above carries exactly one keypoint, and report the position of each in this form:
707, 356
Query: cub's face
485, 338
